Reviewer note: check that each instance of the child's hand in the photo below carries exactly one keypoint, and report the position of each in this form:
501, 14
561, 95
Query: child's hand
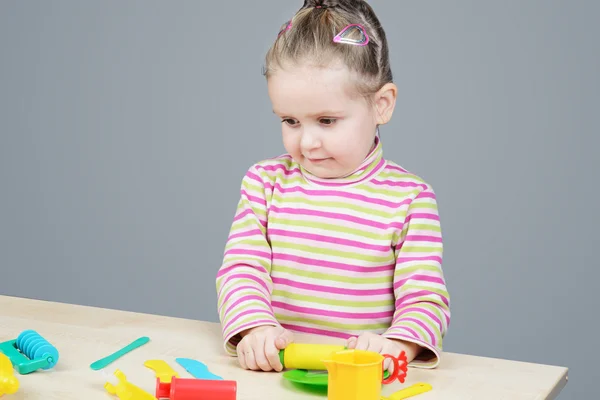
379, 344
259, 348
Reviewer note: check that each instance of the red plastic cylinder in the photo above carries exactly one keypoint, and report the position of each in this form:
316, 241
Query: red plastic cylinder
196, 389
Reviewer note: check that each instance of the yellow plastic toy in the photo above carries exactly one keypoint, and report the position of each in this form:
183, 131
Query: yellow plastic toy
9, 383
410, 391
307, 356
358, 374
125, 390
162, 370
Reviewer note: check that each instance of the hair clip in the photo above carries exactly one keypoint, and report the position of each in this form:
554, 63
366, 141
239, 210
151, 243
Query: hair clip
287, 28
343, 36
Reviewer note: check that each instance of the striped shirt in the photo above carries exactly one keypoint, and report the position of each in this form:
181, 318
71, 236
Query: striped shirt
336, 257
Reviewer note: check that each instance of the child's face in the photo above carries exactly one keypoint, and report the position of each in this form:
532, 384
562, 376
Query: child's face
325, 129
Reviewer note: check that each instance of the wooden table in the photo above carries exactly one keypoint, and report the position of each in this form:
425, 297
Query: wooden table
83, 335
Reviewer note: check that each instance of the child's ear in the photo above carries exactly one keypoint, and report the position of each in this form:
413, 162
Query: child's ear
385, 101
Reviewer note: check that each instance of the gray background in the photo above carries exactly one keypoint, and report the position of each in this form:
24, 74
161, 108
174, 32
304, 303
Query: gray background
125, 128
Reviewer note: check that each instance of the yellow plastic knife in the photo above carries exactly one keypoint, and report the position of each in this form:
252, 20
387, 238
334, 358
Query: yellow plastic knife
411, 391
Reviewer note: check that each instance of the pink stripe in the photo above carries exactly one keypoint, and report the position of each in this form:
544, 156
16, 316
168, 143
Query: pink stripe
421, 311
330, 264
422, 293
252, 324
246, 298
320, 288
280, 167
329, 239
247, 312
251, 232
403, 184
426, 195
344, 195
251, 213
337, 217
397, 168
422, 238
433, 217
254, 199
232, 292
246, 276
315, 331
335, 314
406, 328
226, 270
248, 252
418, 278
422, 325
254, 177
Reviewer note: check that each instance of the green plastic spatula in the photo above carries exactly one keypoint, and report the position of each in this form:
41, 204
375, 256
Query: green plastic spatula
103, 362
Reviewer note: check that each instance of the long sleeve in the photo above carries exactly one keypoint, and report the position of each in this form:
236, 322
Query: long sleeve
422, 302
243, 281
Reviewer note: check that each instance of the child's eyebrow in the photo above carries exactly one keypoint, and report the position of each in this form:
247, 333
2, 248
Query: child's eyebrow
319, 114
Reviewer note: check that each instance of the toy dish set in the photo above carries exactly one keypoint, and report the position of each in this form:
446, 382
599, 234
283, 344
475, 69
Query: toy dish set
346, 374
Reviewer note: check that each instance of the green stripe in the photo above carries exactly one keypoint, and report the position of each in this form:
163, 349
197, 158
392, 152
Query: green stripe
249, 241
428, 288
333, 302
421, 249
416, 268
329, 252
244, 259
335, 278
366, 187
330, 324
426, 227
238, 282
329, 227
239, 309
245, 223
422, 204
314, 202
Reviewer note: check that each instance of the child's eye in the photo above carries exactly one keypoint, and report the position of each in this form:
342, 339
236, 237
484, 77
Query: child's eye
328, 121
289, 121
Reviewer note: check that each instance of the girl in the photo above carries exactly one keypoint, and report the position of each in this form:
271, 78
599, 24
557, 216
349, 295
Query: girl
331, 238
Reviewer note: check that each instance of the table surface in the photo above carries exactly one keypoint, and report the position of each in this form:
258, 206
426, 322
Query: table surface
84, 334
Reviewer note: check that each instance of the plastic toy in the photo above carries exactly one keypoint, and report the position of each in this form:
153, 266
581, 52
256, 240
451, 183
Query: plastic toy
312, 378
307, 356
9, 383
195, 389
125, 390
30, 352
197, 369
358, 374
103, 362
410, 391
162, 370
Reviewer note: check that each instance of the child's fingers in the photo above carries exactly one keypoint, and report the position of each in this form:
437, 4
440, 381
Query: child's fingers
259, 354
250, 359
283, 340
241, 356
351, 343
272, 354
362, 343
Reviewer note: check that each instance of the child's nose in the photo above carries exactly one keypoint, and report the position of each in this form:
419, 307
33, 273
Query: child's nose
310, 140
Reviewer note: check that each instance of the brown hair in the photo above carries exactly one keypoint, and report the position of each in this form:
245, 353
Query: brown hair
310, 39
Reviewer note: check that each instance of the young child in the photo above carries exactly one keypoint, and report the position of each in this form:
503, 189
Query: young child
331, 238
